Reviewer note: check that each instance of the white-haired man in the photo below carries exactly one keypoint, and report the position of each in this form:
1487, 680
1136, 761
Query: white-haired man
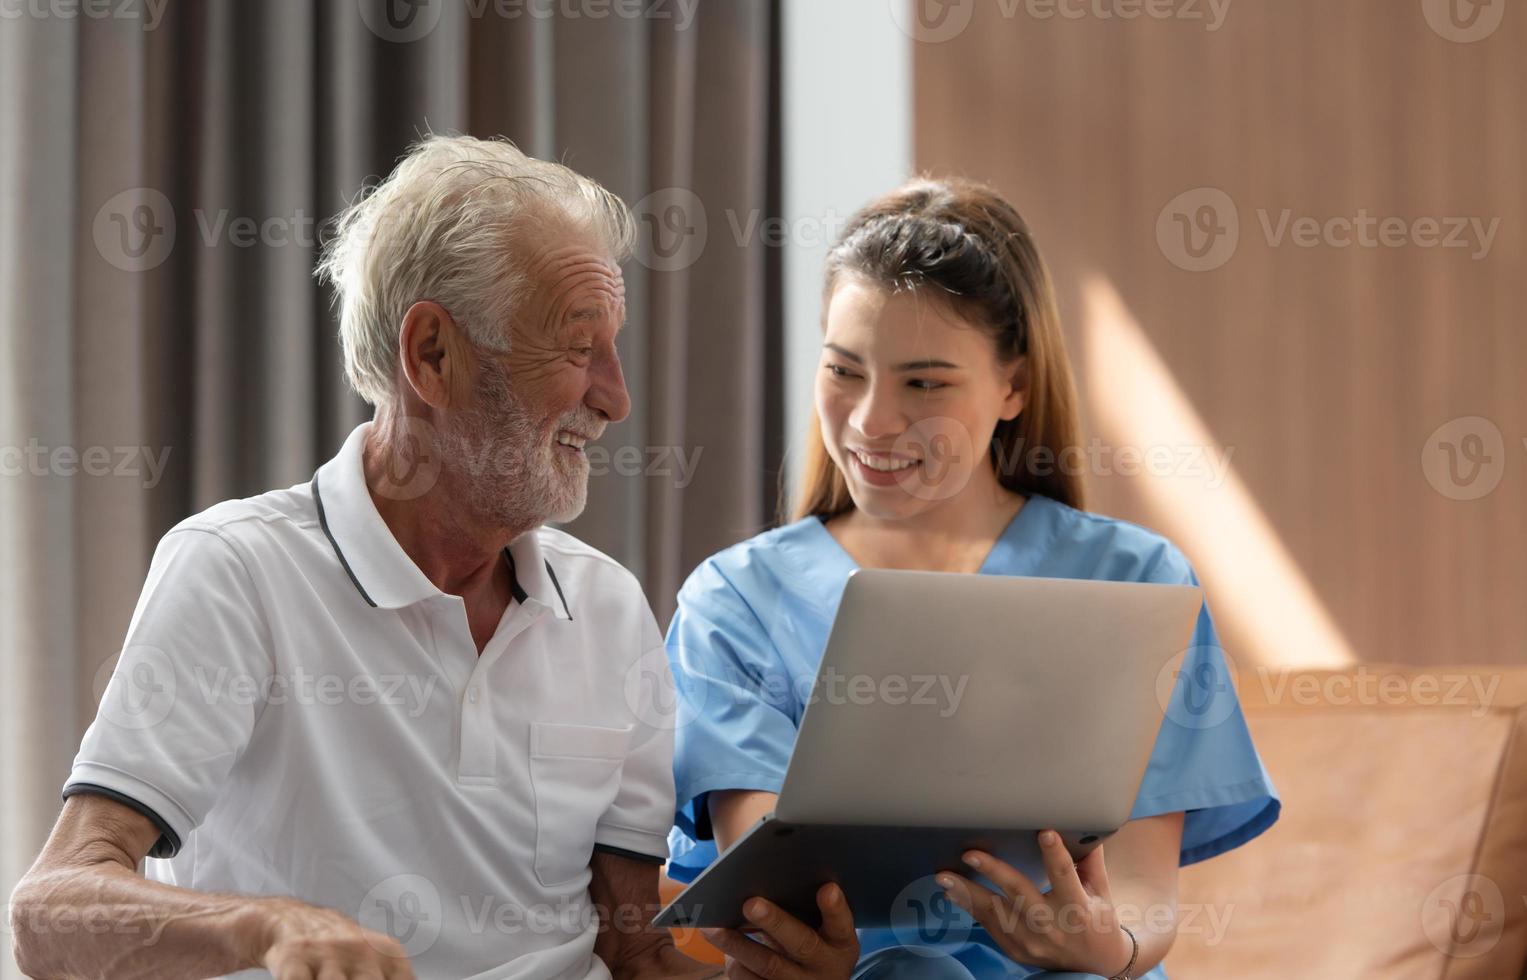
385, 724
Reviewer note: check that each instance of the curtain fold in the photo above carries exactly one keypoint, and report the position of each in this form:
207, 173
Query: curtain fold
163, 189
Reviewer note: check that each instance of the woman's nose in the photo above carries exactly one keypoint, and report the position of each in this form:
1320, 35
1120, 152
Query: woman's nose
877, 415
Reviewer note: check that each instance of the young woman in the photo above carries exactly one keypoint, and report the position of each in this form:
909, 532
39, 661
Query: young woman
946, 415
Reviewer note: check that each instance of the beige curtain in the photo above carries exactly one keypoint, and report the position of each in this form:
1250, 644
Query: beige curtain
163, 173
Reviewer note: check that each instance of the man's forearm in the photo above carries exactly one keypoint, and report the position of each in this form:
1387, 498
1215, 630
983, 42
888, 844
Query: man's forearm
103, 920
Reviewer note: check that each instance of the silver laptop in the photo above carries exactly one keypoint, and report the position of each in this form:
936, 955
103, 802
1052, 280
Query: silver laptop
953, 712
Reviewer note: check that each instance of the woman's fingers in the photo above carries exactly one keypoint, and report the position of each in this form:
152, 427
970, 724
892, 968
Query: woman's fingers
1093, 873
1014, 883
983, 904
1064, 883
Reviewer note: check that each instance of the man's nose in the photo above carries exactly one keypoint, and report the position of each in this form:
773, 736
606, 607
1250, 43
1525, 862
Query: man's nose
607, 393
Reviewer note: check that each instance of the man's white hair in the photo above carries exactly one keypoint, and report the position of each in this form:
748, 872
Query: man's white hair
447, 226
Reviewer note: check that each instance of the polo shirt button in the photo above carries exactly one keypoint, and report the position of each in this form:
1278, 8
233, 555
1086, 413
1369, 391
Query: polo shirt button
472, 694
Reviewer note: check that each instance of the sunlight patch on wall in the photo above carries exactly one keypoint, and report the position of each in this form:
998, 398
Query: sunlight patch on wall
1259, 592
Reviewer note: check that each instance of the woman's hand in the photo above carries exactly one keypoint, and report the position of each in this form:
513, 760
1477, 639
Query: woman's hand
1072, 927
794, 950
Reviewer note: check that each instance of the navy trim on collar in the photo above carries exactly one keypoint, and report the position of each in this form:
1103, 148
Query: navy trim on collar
515, 588
518, 590
323, 522
558, 586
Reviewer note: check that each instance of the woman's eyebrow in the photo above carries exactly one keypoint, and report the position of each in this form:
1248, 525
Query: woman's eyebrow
926, 364
844, 352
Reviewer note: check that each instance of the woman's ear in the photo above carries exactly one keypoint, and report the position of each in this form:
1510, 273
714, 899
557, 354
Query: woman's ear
1017, 388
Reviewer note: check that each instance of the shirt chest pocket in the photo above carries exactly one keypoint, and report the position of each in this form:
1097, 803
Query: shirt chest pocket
575, 774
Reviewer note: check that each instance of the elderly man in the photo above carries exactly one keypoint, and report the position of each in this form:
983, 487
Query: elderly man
384, 724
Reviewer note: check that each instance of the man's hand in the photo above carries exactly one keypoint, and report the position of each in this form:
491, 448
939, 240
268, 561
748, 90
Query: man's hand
791, 949
297, 941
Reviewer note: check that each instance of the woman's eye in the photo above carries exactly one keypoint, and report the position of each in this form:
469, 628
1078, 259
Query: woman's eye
924, 385
838, 371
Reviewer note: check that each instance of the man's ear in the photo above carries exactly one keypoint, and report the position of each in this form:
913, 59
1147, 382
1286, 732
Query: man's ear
1018, 388
430, 353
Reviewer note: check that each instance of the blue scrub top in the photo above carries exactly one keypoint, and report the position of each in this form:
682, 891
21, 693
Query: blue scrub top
748, 636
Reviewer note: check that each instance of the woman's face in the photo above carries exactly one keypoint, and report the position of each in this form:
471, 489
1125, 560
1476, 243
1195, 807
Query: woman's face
909, 394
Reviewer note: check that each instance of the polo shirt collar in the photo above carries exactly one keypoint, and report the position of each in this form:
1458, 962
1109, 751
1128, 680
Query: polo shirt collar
533, 578
383, 573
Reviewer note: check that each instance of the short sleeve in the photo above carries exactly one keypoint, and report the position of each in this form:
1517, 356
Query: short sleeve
636, 824
182, 700
1204, 762
736, 724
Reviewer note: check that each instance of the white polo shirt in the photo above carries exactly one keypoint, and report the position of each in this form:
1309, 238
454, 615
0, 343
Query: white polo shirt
301, 712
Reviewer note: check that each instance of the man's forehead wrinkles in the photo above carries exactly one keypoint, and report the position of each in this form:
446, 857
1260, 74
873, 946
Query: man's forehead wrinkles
595, 281
565, 259
585, 299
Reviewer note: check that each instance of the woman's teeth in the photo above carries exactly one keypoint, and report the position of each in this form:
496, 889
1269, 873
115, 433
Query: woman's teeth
884, 464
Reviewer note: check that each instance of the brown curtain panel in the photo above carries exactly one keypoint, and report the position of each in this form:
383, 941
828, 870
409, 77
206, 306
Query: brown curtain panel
165, 173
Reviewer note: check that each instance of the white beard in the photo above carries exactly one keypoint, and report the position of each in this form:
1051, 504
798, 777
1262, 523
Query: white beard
508, 466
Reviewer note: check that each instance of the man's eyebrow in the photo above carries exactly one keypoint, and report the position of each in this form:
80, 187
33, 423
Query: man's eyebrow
927, 364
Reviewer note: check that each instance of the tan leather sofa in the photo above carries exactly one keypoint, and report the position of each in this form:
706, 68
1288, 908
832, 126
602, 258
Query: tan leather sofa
1402, 848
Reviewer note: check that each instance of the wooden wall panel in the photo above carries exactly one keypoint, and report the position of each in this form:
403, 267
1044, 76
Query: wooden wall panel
1326, 369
